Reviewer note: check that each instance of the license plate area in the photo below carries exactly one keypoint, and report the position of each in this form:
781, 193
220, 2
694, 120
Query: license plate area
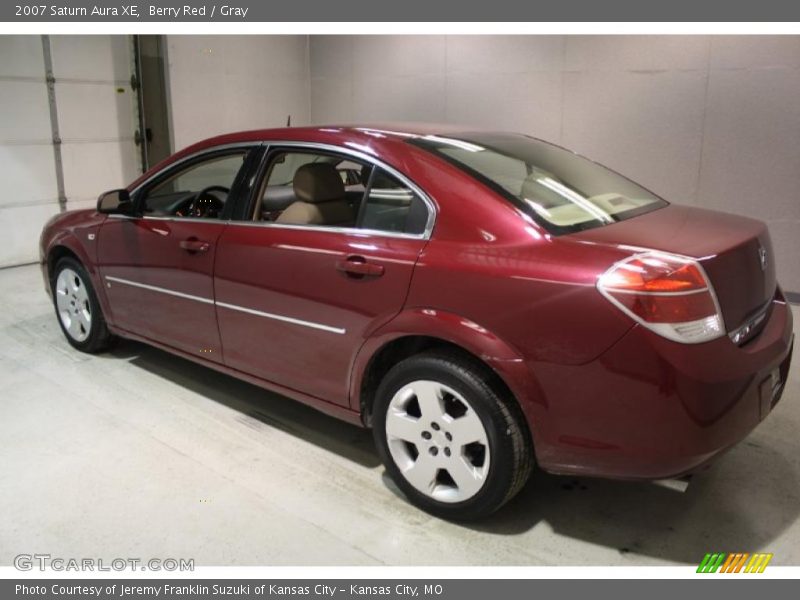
771, 388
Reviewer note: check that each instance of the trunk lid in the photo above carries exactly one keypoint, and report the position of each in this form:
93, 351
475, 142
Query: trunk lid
729, 247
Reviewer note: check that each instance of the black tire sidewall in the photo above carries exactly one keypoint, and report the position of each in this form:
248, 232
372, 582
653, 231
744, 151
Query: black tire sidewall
484, 400
97, 330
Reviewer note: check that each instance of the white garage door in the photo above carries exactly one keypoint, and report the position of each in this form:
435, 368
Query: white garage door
95, 119
27, 168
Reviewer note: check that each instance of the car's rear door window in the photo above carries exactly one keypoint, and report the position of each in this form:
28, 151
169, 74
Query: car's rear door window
366, 197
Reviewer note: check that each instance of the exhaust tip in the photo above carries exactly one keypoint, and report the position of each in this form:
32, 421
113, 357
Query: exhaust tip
676, 485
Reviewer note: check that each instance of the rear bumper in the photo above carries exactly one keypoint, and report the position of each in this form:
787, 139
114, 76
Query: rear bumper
650, 408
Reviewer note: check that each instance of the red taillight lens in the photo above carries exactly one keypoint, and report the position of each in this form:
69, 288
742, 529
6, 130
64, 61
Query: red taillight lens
649, 273
669, 294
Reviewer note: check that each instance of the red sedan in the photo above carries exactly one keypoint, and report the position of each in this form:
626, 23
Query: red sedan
483, 301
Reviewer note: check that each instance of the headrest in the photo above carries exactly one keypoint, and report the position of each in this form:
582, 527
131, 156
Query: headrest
318, 182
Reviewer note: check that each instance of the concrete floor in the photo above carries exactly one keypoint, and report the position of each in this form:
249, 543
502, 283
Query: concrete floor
141, 454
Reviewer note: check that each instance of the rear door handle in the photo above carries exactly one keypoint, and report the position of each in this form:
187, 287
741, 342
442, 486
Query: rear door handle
358, 267
193, 245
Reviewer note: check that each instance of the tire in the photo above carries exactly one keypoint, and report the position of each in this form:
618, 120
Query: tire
451, 439
77, 310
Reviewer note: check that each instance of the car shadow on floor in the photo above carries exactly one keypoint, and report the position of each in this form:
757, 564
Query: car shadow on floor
254, 403
735, 506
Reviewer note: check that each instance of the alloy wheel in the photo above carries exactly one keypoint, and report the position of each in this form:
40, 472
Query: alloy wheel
72, 302
437, 441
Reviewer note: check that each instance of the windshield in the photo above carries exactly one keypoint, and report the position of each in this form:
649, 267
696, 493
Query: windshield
562, 191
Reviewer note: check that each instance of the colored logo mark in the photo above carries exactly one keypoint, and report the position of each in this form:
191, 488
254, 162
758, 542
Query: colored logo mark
737, 562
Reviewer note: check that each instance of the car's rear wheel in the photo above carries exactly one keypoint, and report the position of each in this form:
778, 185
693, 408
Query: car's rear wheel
450, 437
77, 308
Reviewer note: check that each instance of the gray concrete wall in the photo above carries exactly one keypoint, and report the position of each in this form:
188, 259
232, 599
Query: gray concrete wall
707, 120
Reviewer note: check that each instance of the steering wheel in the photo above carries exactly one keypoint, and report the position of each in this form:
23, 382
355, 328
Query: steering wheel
206, 204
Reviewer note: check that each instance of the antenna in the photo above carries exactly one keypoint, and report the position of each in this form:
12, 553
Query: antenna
289, 121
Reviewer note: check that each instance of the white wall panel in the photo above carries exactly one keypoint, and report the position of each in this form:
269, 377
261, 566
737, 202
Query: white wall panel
755, 51
636, 52
751, 149
409, 98
645, 125
223, 83
528, 101
505, 53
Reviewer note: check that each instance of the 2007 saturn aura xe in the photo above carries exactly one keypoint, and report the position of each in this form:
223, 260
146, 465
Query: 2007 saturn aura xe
484, 302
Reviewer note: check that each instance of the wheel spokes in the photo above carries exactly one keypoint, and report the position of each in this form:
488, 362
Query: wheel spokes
401, 426
467, 429
429, 398
422, 474
467, 477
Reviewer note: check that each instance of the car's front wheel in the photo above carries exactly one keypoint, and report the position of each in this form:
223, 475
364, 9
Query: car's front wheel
77, 308
451, 439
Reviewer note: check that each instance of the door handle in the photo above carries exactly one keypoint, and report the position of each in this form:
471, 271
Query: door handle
193, 245
358, 267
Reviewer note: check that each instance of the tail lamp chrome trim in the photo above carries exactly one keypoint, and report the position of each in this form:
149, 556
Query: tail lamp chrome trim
236, 307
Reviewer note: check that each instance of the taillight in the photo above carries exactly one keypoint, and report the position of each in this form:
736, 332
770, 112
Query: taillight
669, 294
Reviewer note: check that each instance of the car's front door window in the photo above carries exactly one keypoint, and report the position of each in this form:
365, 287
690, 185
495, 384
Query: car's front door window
198, 191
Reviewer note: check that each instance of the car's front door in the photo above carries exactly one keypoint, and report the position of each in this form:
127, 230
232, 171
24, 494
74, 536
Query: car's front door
296, 299
157, 268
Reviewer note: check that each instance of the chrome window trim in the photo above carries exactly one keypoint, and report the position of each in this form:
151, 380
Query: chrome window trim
194, 155
346, 230
236, 307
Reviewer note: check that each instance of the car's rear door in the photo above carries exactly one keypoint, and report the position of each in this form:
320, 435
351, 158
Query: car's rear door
295, 301
157, 268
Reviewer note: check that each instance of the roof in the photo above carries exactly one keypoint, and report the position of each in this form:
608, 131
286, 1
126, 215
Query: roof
374, 136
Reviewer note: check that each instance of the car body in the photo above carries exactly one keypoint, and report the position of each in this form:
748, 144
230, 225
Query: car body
322, 312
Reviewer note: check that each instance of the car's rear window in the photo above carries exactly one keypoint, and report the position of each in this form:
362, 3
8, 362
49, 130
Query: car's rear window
562, 191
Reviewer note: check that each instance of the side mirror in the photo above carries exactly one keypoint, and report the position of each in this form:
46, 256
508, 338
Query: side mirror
115, 202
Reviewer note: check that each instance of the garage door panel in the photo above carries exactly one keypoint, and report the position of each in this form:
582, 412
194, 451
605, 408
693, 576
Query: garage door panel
28, 175
91, 58
27, 102
92, 168
21, 227
94, 112
27, 53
